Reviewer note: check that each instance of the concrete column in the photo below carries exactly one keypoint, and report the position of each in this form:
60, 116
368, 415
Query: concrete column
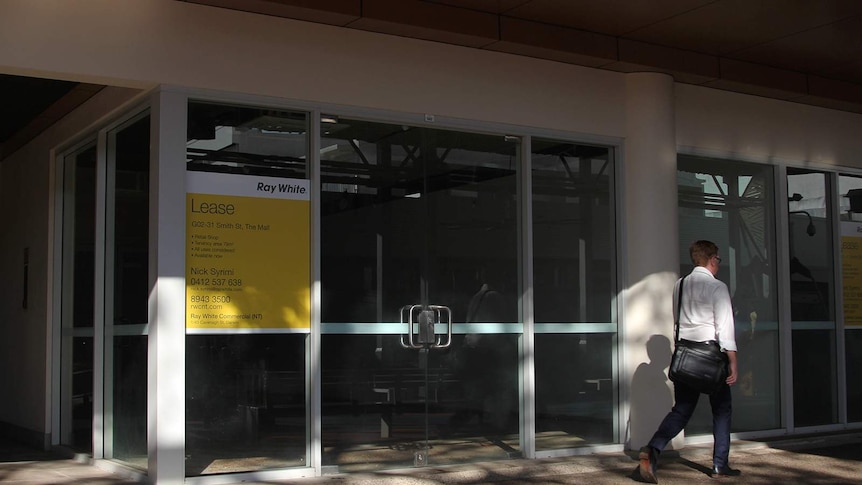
167, 337
650, 260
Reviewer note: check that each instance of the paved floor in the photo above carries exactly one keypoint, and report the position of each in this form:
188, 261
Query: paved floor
813, 460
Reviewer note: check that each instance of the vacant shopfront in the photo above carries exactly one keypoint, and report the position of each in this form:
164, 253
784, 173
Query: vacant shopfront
445, 258
421, 247
487, 280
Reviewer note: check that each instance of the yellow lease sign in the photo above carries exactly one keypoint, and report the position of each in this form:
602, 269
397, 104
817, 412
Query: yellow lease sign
851, 270
247, 252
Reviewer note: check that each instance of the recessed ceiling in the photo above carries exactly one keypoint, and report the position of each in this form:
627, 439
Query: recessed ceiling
30, 105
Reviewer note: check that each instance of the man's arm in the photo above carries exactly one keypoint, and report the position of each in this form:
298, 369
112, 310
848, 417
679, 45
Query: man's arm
732, 372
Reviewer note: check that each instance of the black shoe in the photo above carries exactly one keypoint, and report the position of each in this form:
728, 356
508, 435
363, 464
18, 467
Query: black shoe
724, 472
648, 457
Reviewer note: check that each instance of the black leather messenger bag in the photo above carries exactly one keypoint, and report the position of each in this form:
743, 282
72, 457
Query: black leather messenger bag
699, 365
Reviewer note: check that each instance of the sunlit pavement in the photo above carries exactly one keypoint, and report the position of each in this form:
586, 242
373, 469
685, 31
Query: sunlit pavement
820, 460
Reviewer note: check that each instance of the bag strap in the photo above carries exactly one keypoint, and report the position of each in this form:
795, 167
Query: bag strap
678, 312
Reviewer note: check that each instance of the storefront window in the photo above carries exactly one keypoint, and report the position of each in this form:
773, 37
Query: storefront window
574, 267
126, 341
79, 246
246, 400
130, 179
731, 204
850, 190
812, 298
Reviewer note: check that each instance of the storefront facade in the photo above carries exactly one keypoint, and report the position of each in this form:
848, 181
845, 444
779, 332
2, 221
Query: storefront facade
286, 249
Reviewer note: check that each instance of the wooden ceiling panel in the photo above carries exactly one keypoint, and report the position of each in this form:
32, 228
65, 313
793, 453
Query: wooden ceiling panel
685, 66
555, 43
332, 12
490, 6
610, 17
728, 26
834, 50
429, 21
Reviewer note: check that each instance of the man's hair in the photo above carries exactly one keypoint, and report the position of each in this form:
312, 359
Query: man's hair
702, 251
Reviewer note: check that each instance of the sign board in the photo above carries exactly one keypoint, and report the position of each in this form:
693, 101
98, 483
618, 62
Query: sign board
247, 253
851, 270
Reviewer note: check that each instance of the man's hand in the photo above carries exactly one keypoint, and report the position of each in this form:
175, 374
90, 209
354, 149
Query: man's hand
732, 370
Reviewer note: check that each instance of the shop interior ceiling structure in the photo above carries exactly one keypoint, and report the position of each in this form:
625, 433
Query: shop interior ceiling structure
804, 51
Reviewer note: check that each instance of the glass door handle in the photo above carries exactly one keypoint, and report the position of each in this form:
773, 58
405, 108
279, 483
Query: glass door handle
421, 324
443, 315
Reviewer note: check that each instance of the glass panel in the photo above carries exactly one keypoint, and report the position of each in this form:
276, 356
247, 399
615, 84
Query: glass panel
417, 216
574, 267
575, 385
853, 345
573, 232
811, 298
850, 190
246, 140
130, 401
78, 429
126, 357
131, 154
245, 403
731, 204
79, 215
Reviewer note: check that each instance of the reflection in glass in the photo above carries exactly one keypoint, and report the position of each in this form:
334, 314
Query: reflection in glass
731, 204
417, 216
247, 141
574, 267
245, 402
811, 298
572, 232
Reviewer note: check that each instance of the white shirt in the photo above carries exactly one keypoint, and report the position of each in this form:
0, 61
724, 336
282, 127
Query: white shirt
707, 313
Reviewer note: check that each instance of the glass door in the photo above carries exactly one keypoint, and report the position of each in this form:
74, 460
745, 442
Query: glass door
419, 266
77, 301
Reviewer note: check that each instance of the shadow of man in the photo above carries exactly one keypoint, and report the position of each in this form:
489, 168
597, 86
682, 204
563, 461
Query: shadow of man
650, 392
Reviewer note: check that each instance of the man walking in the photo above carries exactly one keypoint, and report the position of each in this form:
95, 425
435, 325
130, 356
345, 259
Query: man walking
705, 314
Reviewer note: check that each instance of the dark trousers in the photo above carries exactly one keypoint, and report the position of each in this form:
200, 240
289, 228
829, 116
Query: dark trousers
677, 418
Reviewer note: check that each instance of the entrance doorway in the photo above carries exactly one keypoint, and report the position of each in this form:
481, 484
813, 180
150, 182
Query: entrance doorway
419, 272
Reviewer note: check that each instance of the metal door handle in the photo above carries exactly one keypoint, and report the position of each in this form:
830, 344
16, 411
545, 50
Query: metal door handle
421, 321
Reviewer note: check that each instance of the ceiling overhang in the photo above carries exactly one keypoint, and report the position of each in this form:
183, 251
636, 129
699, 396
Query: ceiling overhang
807, 51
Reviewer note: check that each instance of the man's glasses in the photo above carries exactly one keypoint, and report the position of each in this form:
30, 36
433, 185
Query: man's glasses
718, 259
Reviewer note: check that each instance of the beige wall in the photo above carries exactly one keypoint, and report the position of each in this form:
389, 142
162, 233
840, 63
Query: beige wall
750, 127
25, 337
24, 184
177, 43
